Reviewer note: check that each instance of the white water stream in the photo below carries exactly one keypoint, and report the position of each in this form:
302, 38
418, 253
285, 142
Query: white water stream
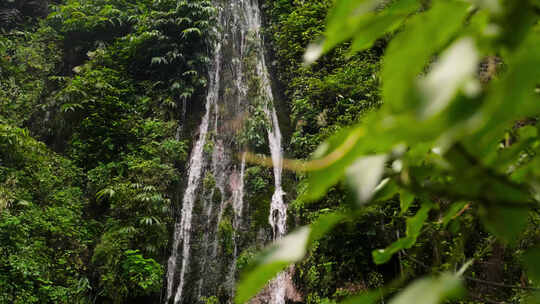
195, 267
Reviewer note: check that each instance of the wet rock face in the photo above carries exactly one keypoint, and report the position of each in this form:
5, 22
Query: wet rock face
9, 17
35, 8
14, 12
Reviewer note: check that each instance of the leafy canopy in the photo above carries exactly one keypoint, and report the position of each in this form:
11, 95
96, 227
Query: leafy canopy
460, 91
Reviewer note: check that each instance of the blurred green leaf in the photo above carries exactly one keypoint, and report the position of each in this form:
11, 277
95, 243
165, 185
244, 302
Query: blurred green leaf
455, 68
505, 222
364, 175
532, 261
410, 50
344, 145
253, 282
292, 248
431, 290
414, 226
365, 298
323, 225
361, 20
452, 212
375, 25
344, 19
406, 198
534, 298
271, 261
518, 86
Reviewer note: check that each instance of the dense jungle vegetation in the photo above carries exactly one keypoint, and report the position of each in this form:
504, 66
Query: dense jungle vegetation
412, 132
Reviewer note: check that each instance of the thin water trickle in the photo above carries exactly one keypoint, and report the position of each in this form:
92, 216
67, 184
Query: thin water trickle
182, 231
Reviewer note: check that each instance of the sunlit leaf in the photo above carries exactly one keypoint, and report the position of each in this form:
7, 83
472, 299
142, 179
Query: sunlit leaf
494, 6
456, 66
518, 86
274, 259
410, 50
431, 290
365, 174
292, 248
361, 21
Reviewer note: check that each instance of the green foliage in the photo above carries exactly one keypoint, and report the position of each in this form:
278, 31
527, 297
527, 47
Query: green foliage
42, 231
531, 260
326, 96
431, 290
226, 235
210, 300
26, 60
291, 248
101, 83
142, 273
446, 131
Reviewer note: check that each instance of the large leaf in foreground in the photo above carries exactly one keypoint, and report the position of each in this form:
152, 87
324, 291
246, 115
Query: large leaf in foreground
431, 290
412, 48
362, 21
290, 249
513, 97
365, 174
532, 261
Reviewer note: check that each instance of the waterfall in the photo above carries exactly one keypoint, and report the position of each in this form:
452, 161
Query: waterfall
199, 265
182, 231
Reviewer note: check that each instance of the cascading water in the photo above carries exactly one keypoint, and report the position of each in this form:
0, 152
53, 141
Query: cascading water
199, 266
182, 229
